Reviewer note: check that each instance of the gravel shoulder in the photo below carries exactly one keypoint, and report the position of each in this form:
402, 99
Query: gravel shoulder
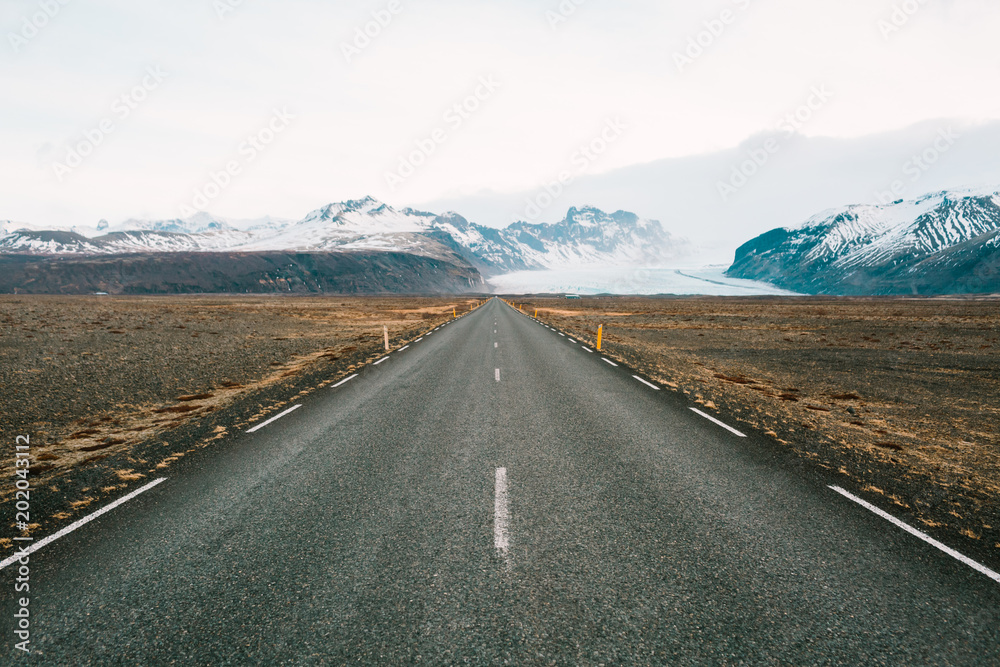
112, 390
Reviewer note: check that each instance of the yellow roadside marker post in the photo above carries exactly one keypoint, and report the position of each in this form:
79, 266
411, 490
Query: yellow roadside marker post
600, 335
536, 313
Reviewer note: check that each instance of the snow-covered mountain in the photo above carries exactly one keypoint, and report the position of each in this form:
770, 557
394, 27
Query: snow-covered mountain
585, 237
198, 223
591, 236
945, 242
11, 226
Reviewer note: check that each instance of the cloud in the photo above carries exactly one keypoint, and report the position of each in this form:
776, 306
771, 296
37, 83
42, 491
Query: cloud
807, 175
354, 119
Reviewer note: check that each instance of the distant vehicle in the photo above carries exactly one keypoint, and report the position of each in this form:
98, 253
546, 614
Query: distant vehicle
573, 296
100, 293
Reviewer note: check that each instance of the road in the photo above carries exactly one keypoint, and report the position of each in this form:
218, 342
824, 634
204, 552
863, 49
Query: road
497, 494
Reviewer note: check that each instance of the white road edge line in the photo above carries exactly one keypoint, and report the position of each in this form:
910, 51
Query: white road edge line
344, 381
589, 350
982, 569
498, 375
501, 513
609, 361
380, 361
648, 384
77, 524
417, 340
713, 419
274, 419
403, 348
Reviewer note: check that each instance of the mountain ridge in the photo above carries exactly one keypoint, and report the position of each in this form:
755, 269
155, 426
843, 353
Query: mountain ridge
941, 243
585, 236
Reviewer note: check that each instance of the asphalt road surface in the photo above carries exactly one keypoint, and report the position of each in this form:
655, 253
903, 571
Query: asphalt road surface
498, 494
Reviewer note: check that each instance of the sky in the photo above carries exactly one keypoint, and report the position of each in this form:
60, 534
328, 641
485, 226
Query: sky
117, 109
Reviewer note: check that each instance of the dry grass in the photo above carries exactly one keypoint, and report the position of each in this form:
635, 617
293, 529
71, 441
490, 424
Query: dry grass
887, 389
88, 377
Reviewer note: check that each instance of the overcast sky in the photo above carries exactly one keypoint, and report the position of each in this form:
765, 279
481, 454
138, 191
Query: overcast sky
333, 116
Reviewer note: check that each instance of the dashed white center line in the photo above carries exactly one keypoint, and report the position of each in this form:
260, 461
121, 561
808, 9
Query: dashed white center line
716, 421
496, 345
274, 419
380, 361
403, 348
501, 513
606, 360
498, 375
344, 381
982, 569
648, 384
77, 524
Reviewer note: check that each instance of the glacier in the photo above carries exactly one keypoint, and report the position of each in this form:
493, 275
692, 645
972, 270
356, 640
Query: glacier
584, 281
